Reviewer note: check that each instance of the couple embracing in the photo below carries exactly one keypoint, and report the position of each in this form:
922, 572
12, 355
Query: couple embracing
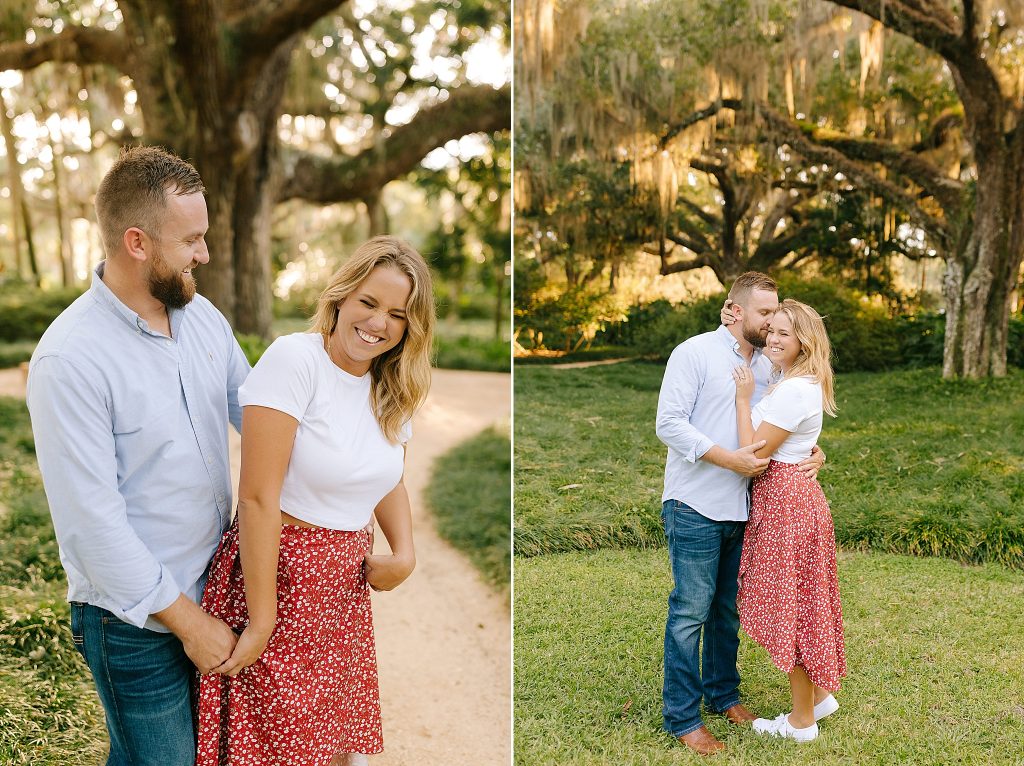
747, 401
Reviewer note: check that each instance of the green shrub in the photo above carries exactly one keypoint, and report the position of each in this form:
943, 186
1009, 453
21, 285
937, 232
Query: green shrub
670, 329
862, 335
14, 353
468, 353
26, 312
253, 346
566, 322
637, 323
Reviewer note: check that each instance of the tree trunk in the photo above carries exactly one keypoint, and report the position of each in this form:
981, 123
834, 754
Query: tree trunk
67, 274
14, 183
980, 276
499, 301
256, 197
33, 263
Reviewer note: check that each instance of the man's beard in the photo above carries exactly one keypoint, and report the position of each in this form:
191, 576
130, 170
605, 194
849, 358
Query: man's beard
172, 288
754, 337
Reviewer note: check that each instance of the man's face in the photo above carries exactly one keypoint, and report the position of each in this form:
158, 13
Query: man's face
758, 310
180, 248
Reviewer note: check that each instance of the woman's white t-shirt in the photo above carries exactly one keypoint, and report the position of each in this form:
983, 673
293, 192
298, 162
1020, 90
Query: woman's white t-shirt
341, 464
794, 405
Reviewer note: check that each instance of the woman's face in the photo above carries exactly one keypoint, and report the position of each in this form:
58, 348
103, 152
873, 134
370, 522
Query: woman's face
781, 345
372, 320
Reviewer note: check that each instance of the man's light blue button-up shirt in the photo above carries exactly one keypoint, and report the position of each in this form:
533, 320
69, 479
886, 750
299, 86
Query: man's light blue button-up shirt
697, 410
130, 430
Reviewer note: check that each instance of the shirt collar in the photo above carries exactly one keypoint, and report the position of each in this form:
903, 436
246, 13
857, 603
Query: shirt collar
728, 338
106, 296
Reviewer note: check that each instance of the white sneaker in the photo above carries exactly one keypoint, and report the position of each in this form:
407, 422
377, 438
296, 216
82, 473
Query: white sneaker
780, 727
825, 708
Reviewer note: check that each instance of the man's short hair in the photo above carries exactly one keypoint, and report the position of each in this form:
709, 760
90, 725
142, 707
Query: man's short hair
746, 283
134, 192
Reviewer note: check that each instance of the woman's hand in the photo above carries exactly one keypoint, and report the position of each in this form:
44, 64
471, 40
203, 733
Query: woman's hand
727, 316
250, 646
387, 572
744, 378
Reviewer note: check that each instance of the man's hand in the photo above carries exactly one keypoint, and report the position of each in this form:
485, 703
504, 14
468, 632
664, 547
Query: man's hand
746, 463
208, 642
387, 572
810, 466
250, 646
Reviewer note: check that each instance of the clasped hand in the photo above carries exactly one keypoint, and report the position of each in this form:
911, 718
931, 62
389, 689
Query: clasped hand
250, 646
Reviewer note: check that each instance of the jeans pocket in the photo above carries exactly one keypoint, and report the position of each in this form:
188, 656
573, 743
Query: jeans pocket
78, 626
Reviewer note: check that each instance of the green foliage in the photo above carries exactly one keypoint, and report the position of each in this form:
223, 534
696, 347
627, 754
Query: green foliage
933, 651
859, 331
14, 353
592, 354
49, 712
915, 464
253, 346
667, 330
470, 494
470, 353
567, 321
26, 312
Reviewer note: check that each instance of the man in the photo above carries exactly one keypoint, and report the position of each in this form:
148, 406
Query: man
130, 392
704, 508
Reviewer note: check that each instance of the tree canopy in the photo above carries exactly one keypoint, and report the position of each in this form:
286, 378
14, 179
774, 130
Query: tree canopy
320, 100
760, 134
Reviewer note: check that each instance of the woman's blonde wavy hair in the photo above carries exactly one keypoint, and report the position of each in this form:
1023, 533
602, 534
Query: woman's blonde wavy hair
400, 377
814, 360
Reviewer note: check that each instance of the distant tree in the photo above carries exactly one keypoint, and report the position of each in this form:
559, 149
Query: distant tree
211, 78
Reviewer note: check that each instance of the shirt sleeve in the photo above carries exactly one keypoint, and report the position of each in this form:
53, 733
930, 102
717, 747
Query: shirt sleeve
237, 371
74, 439
284, 378
683, 379
786, 406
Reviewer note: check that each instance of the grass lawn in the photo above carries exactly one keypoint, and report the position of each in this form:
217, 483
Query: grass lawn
915, 464
49, 711
470, 495
934, 652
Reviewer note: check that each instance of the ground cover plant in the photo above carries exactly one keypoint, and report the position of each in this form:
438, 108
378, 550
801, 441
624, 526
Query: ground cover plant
915, 464
49, 712
933, 650
470, 496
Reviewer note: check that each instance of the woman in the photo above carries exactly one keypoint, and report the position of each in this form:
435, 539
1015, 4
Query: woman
789, 592
324, 426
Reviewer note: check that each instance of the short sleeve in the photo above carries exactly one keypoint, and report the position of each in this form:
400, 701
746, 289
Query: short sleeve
788, 405
284, 378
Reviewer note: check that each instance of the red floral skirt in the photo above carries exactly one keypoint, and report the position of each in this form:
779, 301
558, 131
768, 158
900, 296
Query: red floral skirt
789, 590
313, 692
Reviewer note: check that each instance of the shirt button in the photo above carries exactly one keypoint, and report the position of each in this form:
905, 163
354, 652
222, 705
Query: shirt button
209, 460
169, 341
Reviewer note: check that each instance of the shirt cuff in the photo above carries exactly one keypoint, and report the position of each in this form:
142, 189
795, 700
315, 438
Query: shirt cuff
699, 450
162, 596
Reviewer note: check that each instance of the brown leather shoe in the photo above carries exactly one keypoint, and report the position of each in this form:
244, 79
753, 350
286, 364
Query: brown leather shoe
702, 741
739, 715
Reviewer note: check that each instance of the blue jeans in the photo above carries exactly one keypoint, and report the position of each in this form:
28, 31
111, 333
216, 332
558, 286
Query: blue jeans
144, 680
705, 557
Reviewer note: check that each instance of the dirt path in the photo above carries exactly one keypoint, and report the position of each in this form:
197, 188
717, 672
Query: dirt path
443, 638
